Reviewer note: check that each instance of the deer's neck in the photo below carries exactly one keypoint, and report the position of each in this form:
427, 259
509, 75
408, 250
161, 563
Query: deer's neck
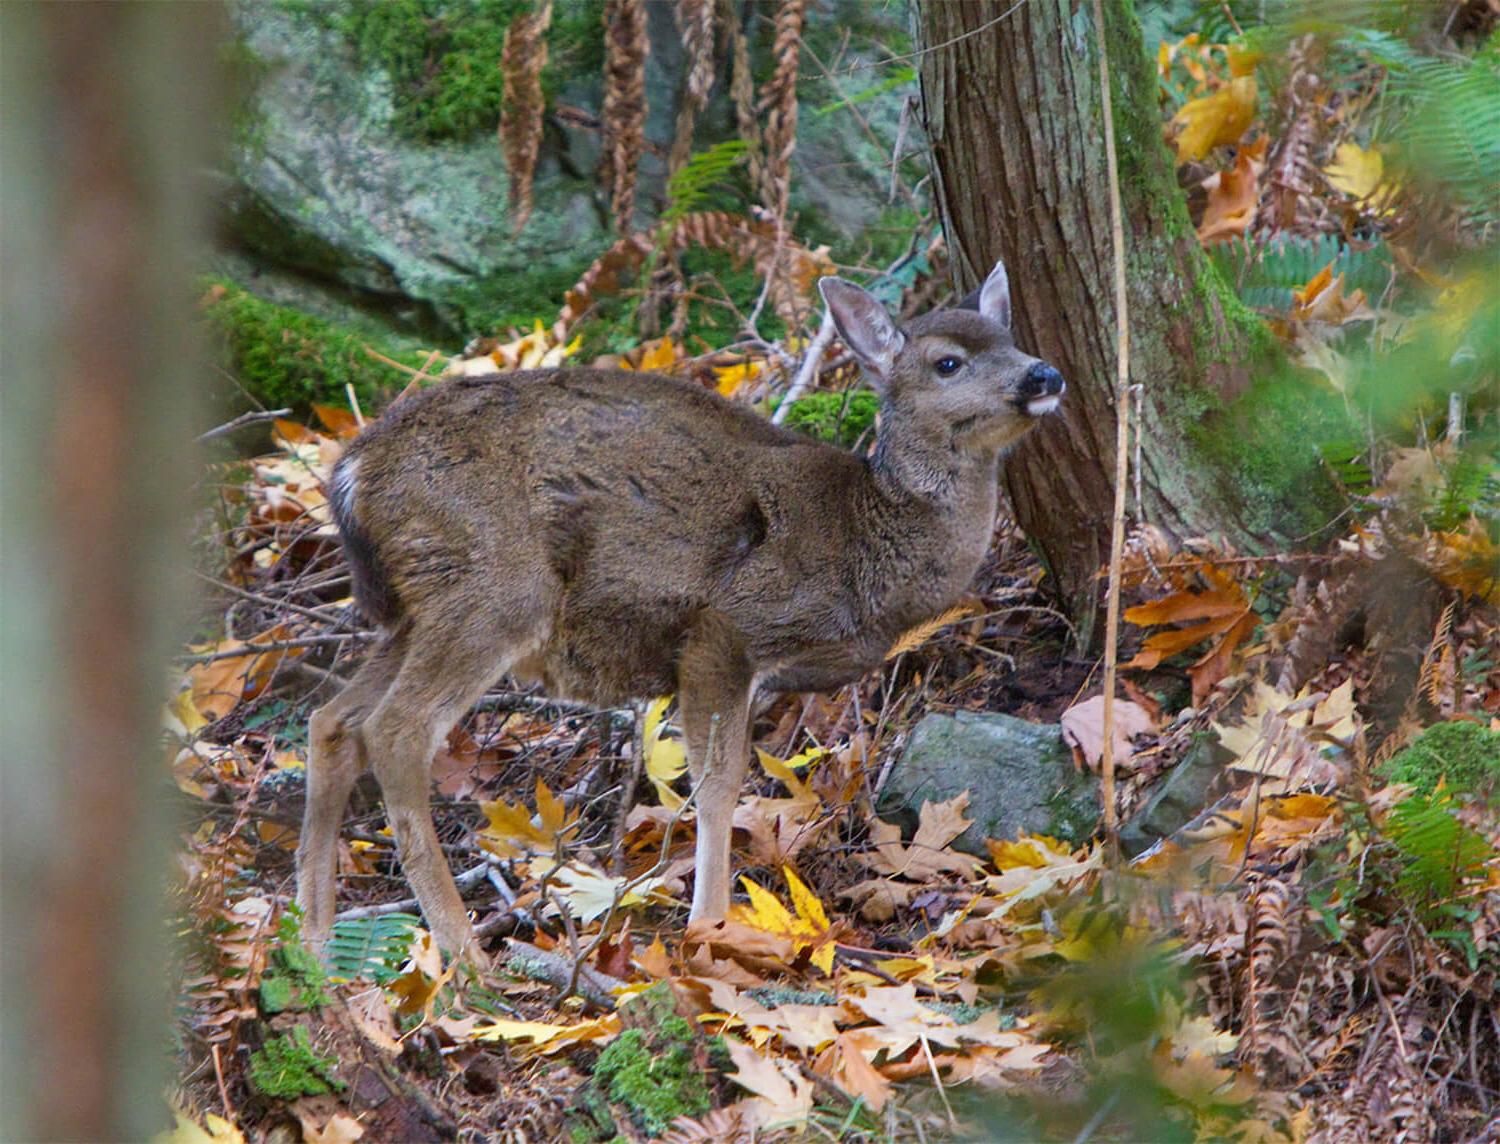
934, 507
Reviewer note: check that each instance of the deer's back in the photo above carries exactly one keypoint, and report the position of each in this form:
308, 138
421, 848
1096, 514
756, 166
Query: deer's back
611, 509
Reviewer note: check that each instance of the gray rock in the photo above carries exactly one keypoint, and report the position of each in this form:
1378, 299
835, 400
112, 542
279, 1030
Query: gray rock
1020, 778
1185, 791
324, 185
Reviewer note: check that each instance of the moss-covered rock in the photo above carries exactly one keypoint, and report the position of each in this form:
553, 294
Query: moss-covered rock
1464, 756
285, 358
1019, 775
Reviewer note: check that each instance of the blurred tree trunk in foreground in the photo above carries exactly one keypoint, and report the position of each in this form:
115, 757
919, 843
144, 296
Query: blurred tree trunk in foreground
107, 110
1011, 97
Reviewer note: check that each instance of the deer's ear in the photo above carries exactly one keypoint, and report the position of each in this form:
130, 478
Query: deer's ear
864, 326
994, 297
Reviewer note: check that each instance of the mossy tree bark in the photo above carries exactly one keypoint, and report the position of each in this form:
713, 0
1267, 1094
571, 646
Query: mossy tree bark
1011, 98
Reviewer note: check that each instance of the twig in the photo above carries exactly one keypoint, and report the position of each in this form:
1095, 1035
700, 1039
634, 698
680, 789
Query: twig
229, 1113
596, 988
253, 649
464, 881
938, 1081
807, 372
627, 795
251, 418
280, 605
1122, 442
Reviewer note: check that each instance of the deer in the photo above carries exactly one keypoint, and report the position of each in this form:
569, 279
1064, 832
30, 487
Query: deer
623, 535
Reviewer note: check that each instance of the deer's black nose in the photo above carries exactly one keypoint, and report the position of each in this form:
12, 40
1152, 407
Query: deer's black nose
1041, 380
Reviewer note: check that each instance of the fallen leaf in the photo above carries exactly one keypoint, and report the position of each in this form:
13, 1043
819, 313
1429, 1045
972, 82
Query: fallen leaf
214, 1130
783, 1099
1233, 196
1083, 728
1213, 120
807, 928
666, 759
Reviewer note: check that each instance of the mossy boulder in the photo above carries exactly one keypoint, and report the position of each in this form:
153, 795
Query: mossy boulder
1019, 775
1464, 756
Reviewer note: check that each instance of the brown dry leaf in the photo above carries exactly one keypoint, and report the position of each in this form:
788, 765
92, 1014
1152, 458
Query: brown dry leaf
780, 828
847, 1066
324, 1121
927, 856
1215, 120
806, 1028
654, 961
372, 1016
218, 686
1083, 728
461, 766
1227, 622
783, 1099
1322, 300
422, 977
1233, 196
737, 953
1468, 560
339, 421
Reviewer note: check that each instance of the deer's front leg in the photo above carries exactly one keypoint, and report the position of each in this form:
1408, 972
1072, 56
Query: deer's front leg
714, 680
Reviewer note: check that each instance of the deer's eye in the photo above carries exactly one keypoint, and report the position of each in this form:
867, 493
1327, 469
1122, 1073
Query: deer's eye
948, 366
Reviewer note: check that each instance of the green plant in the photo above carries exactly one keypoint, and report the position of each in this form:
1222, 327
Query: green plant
369, 949
694, 185
1264, 275
658, 1079
293, 978
287, 1066
839, 418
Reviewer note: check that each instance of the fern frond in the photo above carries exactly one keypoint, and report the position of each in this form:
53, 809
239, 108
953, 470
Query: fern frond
691, 184
1265, 274
369, 949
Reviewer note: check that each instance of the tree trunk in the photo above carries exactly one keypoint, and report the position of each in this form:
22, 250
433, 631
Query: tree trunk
1011, 97
107, 115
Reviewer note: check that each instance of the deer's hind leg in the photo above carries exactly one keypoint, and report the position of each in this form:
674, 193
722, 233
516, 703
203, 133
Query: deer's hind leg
447, 667
335, 758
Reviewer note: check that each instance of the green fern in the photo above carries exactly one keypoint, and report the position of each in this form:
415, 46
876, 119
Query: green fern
1441, 857
691, 185
1265, 275
369, 949
1447, 132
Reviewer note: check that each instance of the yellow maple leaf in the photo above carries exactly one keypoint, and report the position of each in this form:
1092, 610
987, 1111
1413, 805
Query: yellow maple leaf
213, 1130
1358, 173
512, 832
1215, 119
666, 759
786, 769
731, 377
806, 929
539, 1036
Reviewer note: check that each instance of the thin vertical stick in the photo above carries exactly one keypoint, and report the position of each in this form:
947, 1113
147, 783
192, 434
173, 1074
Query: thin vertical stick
1122, 442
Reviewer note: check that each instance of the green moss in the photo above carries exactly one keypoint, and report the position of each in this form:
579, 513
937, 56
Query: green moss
285, 358
1266, 448
287, 1066
1464, 756
657, 1079
839, 418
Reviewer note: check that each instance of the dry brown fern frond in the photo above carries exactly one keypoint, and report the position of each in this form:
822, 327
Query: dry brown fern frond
695, 19
1289, 200
626, 47
739, 235
522, 58
1270, 940
742, 93
777, 108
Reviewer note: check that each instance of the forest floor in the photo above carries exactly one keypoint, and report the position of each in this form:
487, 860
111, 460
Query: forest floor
1315, 950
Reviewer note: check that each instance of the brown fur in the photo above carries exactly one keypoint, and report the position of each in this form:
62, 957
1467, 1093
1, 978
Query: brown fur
623, 535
